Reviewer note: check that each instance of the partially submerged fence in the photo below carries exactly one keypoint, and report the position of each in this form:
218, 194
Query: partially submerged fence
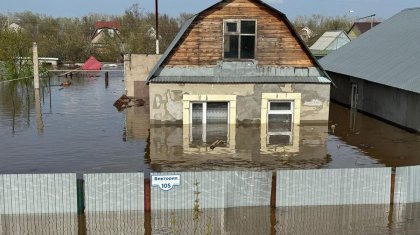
407, 186
114, 192
33, 194
214, 189
114, 203
59, 193
38, 204
334, 187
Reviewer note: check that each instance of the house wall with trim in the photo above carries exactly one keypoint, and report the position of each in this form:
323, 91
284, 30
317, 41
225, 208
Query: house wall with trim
243, 55
167, 100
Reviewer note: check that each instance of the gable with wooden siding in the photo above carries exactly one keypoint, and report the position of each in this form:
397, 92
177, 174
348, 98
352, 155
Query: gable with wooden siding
276, 44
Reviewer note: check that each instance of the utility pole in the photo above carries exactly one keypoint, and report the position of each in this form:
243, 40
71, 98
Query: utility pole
38, 112
372, 17
8, 19
35, 61
371, 20
157, 26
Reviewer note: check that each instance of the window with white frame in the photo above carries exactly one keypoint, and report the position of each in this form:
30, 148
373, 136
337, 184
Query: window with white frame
209, 122
239, 39
280, 122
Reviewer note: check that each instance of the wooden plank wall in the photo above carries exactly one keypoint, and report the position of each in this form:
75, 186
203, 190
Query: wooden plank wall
202, 44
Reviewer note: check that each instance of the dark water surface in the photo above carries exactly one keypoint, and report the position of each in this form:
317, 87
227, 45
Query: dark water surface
76, 129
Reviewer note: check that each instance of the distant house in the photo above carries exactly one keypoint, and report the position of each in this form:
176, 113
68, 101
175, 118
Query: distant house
105, 29
14, 27
329, 41
379, 73
305, 33
45, 61
238, 61
359, 28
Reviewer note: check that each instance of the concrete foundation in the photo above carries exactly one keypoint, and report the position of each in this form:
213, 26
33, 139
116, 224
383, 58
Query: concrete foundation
136, 69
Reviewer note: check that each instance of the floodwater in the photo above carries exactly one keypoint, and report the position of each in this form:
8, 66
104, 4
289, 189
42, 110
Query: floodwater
76, 129
356, 219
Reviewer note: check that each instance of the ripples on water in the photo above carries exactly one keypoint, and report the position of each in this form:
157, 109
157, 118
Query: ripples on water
78, 130
81, 131
325, 220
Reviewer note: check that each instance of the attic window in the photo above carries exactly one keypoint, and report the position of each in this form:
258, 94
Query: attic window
239, 39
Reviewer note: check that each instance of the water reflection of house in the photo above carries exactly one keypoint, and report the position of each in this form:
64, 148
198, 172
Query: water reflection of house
136, 123
238, 62
172, 147
378, 73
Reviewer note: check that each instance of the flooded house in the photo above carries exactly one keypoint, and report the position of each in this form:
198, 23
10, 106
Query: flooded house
238, 62
378, 73
106, 30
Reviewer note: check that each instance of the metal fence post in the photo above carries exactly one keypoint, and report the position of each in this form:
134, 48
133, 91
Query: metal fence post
80, 196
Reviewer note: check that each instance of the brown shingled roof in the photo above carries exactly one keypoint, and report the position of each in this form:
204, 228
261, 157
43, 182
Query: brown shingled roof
107, 24
363, 26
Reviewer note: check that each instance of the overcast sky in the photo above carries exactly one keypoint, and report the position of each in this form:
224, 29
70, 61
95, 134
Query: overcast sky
292, 8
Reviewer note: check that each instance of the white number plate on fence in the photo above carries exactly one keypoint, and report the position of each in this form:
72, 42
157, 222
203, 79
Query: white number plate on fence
166, 182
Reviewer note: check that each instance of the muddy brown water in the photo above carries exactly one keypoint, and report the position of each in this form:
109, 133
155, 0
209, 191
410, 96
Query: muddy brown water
77, 130
356, 219
388, 144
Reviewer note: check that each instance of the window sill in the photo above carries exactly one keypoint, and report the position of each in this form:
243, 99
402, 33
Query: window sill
240, 60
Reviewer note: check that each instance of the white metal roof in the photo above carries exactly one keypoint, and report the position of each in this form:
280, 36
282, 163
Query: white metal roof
331, 40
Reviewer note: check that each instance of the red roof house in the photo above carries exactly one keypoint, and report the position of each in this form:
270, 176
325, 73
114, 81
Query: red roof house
107, 24
92, 64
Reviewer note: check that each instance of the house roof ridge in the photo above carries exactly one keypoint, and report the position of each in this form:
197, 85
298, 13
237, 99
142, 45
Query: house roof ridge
411, 8
188, 23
